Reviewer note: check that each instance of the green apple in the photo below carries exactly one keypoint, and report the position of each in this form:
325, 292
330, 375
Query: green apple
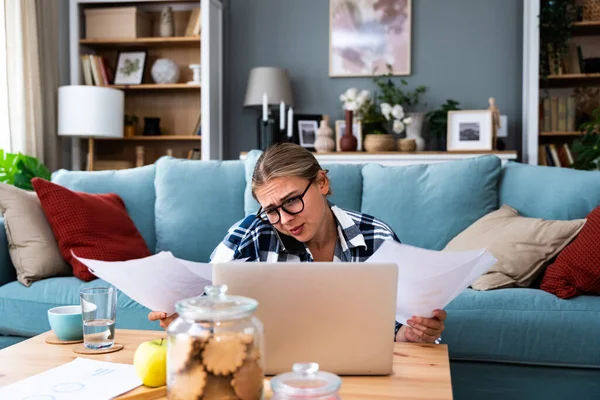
150, 361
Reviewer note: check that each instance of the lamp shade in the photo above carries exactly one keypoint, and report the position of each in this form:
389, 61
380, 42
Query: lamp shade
91, 111
275, 82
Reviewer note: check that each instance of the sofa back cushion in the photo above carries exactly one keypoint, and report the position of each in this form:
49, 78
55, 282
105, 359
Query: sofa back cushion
135, 186
549, 192
428, 205
346, 184
196, 203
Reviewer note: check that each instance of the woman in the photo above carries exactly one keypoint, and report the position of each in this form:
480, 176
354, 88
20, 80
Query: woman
296, 222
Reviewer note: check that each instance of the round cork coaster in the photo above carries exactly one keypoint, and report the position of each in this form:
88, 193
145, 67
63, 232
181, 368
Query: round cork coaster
81, 349
55, 340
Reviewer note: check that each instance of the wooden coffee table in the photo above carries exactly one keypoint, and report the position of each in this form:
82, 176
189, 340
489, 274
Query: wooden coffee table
421, 371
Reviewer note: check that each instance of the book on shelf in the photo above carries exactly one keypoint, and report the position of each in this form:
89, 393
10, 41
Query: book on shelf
194, 23
96, 70
553, 155
194, 154
558, 114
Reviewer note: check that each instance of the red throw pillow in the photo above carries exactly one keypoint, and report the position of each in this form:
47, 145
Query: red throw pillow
94, 226
576, 270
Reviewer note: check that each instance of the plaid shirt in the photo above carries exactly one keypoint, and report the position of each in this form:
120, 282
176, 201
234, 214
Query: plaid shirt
359, 236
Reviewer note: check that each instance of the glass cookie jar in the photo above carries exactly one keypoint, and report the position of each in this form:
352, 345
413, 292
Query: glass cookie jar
306, 382
215, 348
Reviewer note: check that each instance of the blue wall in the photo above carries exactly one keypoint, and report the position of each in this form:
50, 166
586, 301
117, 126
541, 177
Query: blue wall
466, 50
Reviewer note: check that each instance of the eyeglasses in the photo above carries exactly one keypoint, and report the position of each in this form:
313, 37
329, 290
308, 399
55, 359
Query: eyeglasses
293, 205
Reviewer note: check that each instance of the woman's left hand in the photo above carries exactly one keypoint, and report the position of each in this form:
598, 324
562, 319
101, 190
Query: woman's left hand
421, 329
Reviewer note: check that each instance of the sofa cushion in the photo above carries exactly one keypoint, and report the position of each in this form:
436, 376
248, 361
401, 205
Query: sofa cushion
24, 309
428, 205
196, 204
577, 268
522, 246
135, 186
527, 326
346, 184
7, 270
549, 192
32, 245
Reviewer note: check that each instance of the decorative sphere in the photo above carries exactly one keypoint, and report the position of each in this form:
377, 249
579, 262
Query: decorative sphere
165, 71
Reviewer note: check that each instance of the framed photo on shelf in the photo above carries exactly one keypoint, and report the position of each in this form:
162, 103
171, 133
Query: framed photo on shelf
340, 130
130, 67
365, 36
307, 133
470, 130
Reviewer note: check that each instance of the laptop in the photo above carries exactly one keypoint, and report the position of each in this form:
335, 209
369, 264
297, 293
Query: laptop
339, 315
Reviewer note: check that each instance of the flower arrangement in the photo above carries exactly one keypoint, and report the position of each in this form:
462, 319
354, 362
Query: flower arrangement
392, 99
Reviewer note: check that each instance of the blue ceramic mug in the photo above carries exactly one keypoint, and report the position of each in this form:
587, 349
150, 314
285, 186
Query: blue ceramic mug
66, 322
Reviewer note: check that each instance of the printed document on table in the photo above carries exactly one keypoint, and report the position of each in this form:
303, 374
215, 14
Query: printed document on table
81, 378
157, 282
428, 279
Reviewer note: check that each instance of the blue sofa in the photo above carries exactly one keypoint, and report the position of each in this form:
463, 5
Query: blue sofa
509, 343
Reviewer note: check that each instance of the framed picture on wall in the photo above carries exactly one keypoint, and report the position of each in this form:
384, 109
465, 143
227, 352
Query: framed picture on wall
366, 36
130, 67
340, 130
470, 130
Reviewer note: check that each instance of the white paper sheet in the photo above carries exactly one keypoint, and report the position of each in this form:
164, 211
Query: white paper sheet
157, 282
428, 279
79, 379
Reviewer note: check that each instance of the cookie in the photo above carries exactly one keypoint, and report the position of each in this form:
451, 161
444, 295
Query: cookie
223, 354
246, 338
184, 351
188, 385
218, 388
247, 381
253, 354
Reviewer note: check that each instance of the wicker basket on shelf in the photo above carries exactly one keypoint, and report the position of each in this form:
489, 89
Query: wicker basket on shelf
591, 10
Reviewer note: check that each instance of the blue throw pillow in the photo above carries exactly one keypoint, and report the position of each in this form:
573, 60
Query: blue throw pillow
196, 204
549, 192
135, 186
428, 205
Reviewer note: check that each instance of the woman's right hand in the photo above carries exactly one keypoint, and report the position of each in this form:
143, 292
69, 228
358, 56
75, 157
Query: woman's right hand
165, 320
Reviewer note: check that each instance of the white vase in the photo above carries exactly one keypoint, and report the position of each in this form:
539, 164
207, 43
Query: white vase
167, 29
324, 142
414, 130
165, 71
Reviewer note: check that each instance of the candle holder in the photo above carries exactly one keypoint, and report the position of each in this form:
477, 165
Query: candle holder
266, 133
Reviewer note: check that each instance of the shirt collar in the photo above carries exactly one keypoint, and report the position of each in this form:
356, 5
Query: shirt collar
348, 230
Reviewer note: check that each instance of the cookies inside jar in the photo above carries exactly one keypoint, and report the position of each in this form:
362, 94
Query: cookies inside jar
222, 365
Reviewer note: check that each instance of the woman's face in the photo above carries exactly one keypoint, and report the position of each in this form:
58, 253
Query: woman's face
306, 224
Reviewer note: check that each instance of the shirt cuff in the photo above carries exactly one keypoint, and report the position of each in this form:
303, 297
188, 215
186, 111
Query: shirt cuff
398, 326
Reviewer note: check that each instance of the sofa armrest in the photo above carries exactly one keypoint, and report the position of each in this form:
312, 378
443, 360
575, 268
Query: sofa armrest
7, 270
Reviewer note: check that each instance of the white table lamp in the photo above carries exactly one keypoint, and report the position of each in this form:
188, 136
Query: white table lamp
90, 111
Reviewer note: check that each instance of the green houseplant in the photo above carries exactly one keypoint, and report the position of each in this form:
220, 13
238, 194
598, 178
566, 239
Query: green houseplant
586, 148
438, 123
131, 121
556, 27
19, 169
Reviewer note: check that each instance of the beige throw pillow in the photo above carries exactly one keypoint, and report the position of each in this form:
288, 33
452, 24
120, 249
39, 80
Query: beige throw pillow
31, 243
521, 245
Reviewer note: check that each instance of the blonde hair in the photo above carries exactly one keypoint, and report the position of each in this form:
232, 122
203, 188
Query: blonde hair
285, 160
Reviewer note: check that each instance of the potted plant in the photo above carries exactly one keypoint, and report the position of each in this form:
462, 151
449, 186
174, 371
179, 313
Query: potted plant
438, 124
556, 26
18, 170
131, 121
394, 100
586, 148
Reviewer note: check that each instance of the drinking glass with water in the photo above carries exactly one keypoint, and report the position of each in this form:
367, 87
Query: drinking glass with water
99, 310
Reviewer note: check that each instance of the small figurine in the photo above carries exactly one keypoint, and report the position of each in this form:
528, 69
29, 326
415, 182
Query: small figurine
495, 121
